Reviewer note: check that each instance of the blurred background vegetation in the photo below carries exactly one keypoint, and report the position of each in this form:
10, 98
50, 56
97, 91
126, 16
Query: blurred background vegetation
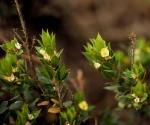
74, 22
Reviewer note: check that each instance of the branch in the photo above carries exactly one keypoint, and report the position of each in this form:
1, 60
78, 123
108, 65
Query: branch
21, 21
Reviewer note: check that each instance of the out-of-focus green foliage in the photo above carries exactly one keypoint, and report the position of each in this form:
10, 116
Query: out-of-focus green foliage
142, 51
25, 115
109, 118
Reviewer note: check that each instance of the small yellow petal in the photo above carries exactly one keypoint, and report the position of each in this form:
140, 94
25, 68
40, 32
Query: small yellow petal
133, 95
15, 69
104, 52
42, 51
46, 57
45, 54
83, 105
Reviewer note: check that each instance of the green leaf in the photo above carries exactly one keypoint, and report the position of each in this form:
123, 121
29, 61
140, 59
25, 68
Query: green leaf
93, 47
63, 115
71, 114
43, 75
48, 41
61, 73
113, 88
55, 62
78, 96
67, 103
99, 43
139, 71
7, 63
16, 105
119, 56
109, 73
140, 89
9, 45
22, 116
3, 107
36, 113
63, 118
128, 74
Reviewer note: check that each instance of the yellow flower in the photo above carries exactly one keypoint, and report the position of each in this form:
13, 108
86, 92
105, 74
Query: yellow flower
104, 52
42, 51
10, 78
133, 95
44, 54
83, 105
15, 69
46, 57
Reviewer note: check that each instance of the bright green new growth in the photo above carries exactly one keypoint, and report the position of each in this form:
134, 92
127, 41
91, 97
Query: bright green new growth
51, 68
100, 56
92, 50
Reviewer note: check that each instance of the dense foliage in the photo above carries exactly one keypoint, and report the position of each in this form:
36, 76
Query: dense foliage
28, 91
29, 94
125, 72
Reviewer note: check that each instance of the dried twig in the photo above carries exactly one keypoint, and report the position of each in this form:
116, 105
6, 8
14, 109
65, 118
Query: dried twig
26, 41
58, 91
21, 21
96, 121
33, 42
78, 83
19, 37
132, 37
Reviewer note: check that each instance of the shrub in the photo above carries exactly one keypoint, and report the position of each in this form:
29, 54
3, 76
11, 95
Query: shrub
33, 80
126, 73
31, 93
